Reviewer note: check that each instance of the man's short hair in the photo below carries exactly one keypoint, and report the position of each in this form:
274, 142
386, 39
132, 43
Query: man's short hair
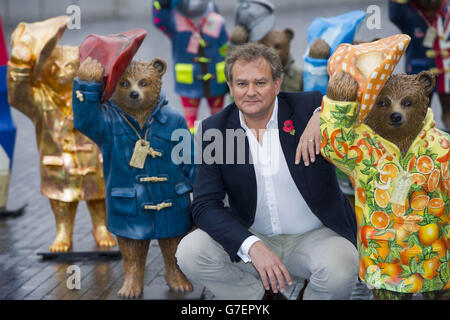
249, 52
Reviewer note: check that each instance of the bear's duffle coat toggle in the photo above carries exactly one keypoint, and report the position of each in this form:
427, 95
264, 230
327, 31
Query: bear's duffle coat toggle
148, 203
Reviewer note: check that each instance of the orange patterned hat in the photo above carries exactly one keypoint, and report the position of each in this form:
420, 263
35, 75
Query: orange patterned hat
370, 64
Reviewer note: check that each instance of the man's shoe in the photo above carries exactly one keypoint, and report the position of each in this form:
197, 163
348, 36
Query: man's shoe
269, 295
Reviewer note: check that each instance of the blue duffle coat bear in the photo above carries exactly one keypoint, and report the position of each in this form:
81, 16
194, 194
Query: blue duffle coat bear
142, 204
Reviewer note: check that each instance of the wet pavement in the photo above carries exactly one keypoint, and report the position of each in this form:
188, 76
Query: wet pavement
23, 275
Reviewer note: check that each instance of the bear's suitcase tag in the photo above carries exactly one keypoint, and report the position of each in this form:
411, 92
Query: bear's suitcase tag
401, 188
141, 150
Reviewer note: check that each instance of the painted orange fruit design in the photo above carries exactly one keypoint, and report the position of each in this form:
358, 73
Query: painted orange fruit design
430, 267
361, 193
416, 282
428, 234
439, 247
419, 203
390, 171
411, 223
359, 212
407, 242
365, 232
400, 210
393, 270
444, 170
419, 179
410, 253
383, 249
433, 180
401, 234
424, 164
364, 263
381, 197
412, 163
379, 219
436, 207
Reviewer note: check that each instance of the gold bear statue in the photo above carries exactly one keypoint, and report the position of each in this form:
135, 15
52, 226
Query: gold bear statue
39, 79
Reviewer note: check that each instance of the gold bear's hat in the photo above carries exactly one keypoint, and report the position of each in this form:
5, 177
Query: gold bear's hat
40, 38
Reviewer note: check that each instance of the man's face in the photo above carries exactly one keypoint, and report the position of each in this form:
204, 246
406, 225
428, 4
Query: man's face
253, 88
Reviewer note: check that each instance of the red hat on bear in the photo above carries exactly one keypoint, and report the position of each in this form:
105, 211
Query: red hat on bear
114, 52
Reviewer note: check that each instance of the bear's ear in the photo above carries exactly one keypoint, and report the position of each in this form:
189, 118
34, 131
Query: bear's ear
428, 80
160, 65
289, 33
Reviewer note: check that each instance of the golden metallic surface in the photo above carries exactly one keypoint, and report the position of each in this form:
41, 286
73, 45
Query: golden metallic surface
70, 163
33, 43
39, 79
431, 53
4, 186
154, 153
153, 179
64, 217
79, 95
102, 237
159, 206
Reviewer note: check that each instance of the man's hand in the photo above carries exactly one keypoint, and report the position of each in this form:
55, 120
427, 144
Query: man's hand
269, 266
309, 144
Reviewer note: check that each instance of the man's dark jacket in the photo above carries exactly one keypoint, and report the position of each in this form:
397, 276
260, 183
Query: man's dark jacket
317, 183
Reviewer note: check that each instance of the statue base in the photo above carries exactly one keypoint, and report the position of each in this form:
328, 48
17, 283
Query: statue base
81, 252
4, 213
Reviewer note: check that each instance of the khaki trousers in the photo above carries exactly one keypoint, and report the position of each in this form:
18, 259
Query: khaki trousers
327, 260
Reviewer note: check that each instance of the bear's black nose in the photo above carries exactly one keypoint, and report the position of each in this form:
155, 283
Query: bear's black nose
134, 94
396, 117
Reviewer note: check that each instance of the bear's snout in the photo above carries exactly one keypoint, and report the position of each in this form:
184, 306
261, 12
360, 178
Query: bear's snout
134, 95
396, 118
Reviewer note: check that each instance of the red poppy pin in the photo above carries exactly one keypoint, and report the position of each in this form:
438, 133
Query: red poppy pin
289, 127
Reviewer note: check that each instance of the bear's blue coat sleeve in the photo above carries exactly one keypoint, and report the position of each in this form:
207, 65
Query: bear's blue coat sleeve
88, 116
163, 19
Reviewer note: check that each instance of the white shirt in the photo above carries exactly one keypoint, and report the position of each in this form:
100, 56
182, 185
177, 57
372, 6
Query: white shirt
280, 207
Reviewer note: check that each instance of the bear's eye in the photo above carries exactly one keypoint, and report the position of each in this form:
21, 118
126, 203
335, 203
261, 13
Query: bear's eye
124, 84
382, 103
70, 66
277, 46
407, 103
143, 83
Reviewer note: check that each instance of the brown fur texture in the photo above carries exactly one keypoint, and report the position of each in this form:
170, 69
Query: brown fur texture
137, 90
319, 49
137, 93
400, 108
280, 41
174, 277
444, 99
429, 6
90, 70
342, 87
134, 256
239, 35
